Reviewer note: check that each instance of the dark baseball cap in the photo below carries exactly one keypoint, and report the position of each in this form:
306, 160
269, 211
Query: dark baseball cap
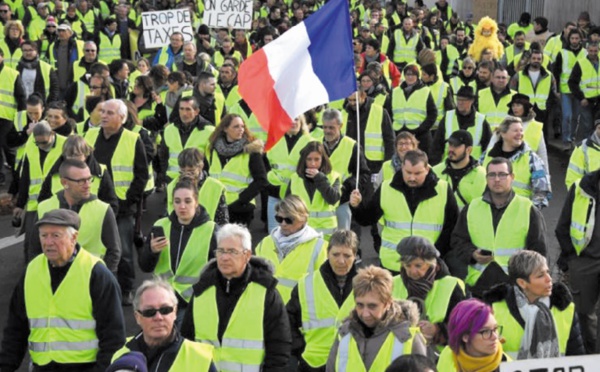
460, 137
60, 217
466, 92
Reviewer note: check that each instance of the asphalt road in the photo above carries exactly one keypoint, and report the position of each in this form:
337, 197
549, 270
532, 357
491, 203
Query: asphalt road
12, 261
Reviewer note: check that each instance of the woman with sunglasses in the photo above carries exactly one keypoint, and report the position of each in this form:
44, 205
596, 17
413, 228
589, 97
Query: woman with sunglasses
466, 76
155, 308
318, 186
294, 247
474, 343
179, 245
538, 315
313, 323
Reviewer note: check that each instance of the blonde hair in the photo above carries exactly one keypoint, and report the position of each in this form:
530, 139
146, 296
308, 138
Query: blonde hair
373, 279
17, 23
293, 207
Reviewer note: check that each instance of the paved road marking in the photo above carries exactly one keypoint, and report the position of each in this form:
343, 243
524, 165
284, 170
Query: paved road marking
9, 241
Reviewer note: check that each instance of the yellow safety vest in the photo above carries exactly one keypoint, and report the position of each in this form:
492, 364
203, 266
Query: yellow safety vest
321, 317
38, 172
585, 159
582, 219
411, 112
192, 356
456, 83
235, 175
10, 59
513, 332
438, 298
522, 172
209, 195
349, 357
242, 347
533, 134
195, 256
453, 56
341, 156
83, 90
439, 92
92, 215
471, 185
304, 258
553, 47
109, 49
538, 95
284, 161
322, 215
19, 124
388, 170
45, 68
451, 126
507, 239
510, 53
428, 220
197, 139
232, 98
219, 58
590, 79
62, 326
88, 20
568, 62
56, 186
122, 161
374, 148
8, 103
405, 50
494, 113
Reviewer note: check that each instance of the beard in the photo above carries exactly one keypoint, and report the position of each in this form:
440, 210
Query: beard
458, 159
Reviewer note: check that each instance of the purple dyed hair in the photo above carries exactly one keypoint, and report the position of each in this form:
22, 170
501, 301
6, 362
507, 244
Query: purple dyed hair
468, 317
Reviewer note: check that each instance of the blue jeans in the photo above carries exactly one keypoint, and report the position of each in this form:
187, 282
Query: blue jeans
344, 216
126, 269
271, 203
570, 111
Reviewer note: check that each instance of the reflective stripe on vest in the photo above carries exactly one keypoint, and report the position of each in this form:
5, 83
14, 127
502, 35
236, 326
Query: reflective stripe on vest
439, 91
590, 79
412, 112
533, 133
191, 262
322, 215
235, 176
83, 90
89, 20
405, 50
8, 104
568, 62
427, 221
349, 357
513, 331
10, 59
374, 149
197, 139
283, 162
476, 130
37, 172
505, 240
191, 356
109, 50
341, 156
209, 195
494, 113
242, 347
321, 317
583, 219
305, 258
122, 160
62, 326
92, 214
538, 95
471, 185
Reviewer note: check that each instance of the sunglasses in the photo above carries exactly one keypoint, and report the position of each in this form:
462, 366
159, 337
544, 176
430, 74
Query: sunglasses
287, 220
3, 10
90, 50
149, 313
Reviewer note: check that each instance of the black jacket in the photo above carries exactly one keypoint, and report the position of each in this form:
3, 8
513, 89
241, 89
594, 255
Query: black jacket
178, 242
106, 310
39, 85
364, 179
294, 309
575, 82
160, 359
369, 211
560, 298
276, 326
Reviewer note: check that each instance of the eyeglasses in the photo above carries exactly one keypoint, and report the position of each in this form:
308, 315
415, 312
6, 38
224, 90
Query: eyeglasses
50, 26
486, 334
90, 50
287, 220
409, 74
468, 68
500, 175
149, 313
81, 181
3, 10
405, 144
27, 50
231, 252
92, 87
41, 143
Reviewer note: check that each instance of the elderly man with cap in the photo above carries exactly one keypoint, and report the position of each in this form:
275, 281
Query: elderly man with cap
66, 310
464, 117
425, 279
63, 53
585, 158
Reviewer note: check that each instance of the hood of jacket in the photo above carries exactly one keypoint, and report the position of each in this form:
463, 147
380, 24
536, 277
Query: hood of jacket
255, 147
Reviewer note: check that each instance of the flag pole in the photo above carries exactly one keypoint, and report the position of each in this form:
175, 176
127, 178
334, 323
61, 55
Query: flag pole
357, 140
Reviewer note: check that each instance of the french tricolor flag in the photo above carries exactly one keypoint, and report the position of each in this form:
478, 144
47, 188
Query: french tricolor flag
309, 65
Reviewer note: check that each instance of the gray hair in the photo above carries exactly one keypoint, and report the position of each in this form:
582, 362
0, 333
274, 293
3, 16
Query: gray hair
470, 61
523, 263
71, 231
90, 42
153, 283
233, 230
190, 43
332, 114
121, 108
42, 128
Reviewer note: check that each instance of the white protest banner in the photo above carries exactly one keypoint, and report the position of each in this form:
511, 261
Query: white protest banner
159, 26
584, 363
228, 14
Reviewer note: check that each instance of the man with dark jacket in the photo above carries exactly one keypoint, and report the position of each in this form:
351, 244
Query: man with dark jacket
191, 62
495, 226
123, 153
82, 322
210, 102
236, 303
36, 75
578, 235
62, 54
413, 198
